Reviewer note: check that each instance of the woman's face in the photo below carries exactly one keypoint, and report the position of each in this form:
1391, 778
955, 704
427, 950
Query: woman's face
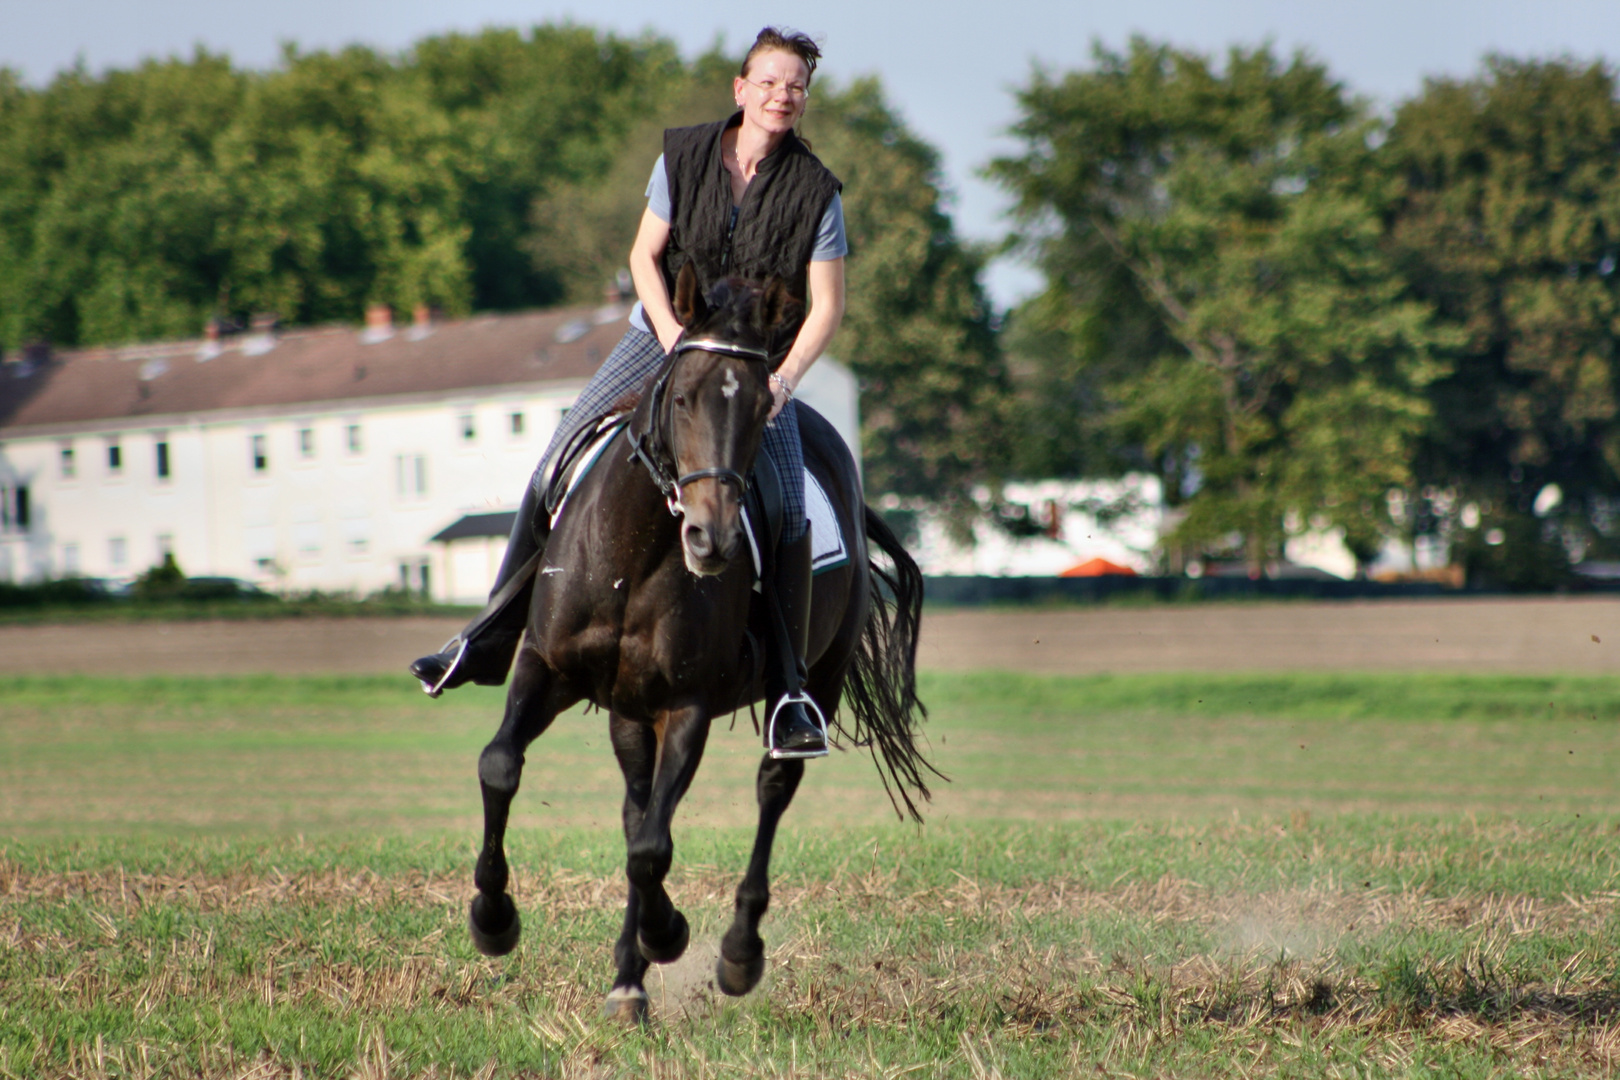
772, 94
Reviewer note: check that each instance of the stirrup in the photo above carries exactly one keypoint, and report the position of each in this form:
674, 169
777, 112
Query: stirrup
433, 690
779, 753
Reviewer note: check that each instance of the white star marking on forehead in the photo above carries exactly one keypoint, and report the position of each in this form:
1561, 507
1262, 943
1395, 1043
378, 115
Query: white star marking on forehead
730, 387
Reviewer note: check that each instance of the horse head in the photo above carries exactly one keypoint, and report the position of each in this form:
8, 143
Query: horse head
713, 401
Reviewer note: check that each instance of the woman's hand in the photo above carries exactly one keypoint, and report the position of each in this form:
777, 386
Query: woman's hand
781, 394
668, 336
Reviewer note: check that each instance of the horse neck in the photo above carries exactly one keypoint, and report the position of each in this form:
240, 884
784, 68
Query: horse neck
628, 497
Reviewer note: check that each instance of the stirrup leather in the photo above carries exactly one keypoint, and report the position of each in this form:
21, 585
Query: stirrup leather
780, 753
435, 689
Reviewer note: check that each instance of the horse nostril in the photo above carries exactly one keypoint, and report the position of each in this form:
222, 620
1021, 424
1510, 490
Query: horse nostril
697, 541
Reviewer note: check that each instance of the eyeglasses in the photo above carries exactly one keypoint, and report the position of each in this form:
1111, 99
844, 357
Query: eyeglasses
796, 91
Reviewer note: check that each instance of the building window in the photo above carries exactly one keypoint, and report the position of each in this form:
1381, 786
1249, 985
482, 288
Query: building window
410, 474
70, 559
115, 459
117, 552
352, 438
517, 424
306, 443
259, 453
24, 513
165, 546
163, 459
70, 467
469, 431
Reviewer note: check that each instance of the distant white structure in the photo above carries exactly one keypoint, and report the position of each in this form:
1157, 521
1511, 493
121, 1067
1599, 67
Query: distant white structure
1071, 522
313, 459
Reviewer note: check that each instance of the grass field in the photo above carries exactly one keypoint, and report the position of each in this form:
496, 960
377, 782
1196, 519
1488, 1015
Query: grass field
1150, 875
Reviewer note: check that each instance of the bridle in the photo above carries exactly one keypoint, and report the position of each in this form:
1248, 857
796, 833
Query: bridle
657, 456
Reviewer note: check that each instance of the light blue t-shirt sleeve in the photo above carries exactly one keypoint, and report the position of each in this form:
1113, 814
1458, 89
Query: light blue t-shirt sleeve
658, 191
830, 240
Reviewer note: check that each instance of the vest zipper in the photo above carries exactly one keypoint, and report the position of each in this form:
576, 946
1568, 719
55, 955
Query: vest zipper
731, 227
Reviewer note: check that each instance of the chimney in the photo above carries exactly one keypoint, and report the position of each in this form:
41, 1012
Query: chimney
210, 347
261, 336
379, 324
421, 323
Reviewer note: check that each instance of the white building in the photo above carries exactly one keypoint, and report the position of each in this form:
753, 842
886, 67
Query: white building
313, 459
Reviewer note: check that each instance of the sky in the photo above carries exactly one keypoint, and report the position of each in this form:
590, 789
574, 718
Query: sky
949, 66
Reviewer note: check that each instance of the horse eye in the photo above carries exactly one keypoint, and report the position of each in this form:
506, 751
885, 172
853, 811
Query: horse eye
680, 399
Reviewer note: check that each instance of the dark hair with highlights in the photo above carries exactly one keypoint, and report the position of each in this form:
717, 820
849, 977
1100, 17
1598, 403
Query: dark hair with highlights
771, 39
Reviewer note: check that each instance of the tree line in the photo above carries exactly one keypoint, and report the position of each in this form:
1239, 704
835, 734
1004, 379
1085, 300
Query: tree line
1296, 311
1300, 313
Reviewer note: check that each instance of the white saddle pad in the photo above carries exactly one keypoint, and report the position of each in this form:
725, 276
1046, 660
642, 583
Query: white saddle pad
827, 548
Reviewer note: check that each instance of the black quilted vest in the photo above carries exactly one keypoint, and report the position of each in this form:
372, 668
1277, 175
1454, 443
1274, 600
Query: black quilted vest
776, 223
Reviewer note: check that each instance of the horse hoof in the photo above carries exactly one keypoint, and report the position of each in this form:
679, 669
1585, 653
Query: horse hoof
736, 979
494, 924
626, 1005
671, 952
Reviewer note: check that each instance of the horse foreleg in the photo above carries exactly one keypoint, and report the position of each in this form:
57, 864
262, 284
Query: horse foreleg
636, 747
532, 702
662, 931
742, 952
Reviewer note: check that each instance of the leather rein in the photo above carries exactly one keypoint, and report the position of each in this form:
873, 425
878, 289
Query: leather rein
657, 457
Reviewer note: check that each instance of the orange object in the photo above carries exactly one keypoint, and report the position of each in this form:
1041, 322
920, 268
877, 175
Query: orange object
1098, 567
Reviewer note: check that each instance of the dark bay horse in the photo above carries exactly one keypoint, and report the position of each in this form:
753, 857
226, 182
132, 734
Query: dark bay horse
644, 605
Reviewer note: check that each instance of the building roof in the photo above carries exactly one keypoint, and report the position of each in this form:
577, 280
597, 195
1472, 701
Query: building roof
473, 526
109, 387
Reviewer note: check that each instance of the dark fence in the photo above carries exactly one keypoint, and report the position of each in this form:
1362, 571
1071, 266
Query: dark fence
969, 591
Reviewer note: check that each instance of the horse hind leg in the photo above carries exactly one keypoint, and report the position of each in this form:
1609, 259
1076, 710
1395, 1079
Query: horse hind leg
742, 951
532, 702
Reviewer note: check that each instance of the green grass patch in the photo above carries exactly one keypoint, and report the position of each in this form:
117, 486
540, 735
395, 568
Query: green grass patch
283, 755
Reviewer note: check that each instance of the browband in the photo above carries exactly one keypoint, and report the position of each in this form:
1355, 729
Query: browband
747, 352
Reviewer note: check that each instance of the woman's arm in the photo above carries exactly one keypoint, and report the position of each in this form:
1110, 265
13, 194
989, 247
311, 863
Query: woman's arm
651, 239
826, 286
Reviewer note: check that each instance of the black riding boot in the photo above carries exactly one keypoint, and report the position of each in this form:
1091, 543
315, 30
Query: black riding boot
482, 652
795, 727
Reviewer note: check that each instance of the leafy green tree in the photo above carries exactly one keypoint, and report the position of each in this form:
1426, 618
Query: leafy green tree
109, 197
1508, 222
1219, 293
140, 203
582, 231
917, 327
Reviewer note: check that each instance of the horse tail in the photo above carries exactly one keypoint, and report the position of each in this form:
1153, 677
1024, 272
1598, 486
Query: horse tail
881, 687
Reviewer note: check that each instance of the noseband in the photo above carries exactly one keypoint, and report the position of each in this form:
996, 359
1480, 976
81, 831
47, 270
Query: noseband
654, 459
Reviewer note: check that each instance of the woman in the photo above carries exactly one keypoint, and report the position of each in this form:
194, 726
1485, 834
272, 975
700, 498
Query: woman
746, 197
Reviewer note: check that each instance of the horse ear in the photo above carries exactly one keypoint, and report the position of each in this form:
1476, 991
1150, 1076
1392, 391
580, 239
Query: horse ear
690, 308
777, 305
